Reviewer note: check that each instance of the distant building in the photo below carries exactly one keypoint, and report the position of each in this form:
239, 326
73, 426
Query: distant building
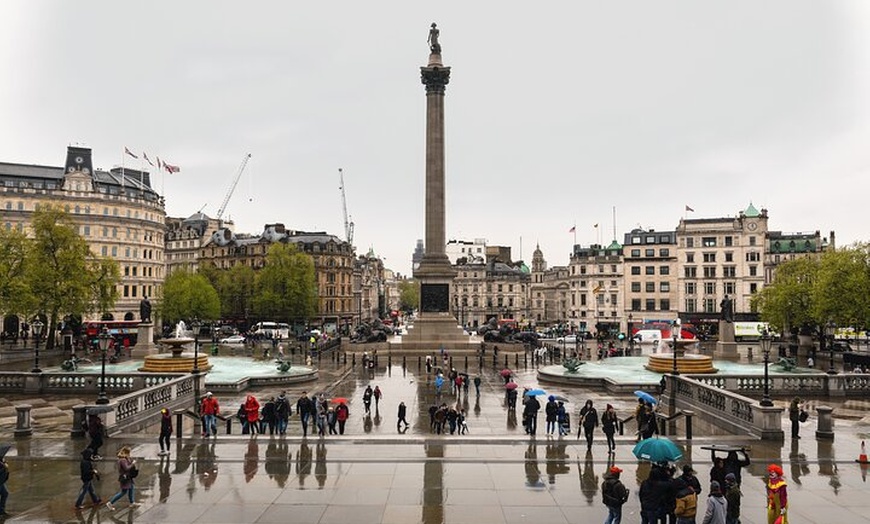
474, 252
417, 257
493, 289
595, 288
184, 238
650, 275
781, 247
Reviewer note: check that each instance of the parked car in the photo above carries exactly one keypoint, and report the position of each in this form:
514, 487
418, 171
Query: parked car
235, 339
527, 337
567, 339
841, 345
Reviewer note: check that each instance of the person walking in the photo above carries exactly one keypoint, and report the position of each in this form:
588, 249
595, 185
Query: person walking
96, 430
777, 495
321, 407
88, 472
377, 396
562, 419
402, 413
794, 414
165, 431
691, 480
609, 422
530, 413
341, 415
270, 417
331, 419
614, 494
588, 423
685, 502
303, 408
367, 399
127, 471
477, 385
550, 410
654, 495
209, 408
252, 414
717, 506
282, 412
733, 496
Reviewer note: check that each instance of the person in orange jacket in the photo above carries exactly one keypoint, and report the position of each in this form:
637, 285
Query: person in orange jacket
209, 409
252, 410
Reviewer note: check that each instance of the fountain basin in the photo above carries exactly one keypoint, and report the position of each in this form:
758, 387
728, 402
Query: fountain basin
664, 363
174, 363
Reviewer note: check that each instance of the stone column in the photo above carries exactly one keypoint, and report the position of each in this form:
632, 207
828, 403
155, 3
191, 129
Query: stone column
825, 428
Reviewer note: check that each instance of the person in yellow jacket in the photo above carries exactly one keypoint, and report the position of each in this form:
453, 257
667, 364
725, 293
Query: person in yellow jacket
777, 496
687, 502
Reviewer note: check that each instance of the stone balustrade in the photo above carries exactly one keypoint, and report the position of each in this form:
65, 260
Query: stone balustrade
72, 383
793, 384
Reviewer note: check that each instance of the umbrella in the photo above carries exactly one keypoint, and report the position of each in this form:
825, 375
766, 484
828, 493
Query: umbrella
534, 392
339, 400
646, 397
439, 381
506, 372
510, 385
4, 449
657, 450
560, 398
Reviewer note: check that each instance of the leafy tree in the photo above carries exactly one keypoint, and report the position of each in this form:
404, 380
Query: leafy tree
409, 295
64, 276
187, 296
788, 301
237, 291
15, 295
286, 288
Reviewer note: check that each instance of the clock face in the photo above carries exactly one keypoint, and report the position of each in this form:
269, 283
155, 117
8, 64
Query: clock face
79, 160
752, 226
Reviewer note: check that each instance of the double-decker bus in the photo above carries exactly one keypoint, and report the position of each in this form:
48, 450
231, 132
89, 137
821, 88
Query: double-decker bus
123, 332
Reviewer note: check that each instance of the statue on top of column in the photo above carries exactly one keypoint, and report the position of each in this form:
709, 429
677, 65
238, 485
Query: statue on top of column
145, 310
434, 46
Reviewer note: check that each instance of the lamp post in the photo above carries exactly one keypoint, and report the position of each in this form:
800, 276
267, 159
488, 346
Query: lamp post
104, 347
630, 335
37, 326
830, 329
194, 324
676, 334
765, 350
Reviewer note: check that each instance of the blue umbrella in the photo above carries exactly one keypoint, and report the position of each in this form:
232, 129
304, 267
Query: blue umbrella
657, 450
439, 381
646, 397
534, 392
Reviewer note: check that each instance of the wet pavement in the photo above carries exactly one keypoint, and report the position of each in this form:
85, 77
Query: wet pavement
374, 473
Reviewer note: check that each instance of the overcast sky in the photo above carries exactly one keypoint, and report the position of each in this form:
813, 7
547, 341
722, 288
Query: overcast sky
555, 113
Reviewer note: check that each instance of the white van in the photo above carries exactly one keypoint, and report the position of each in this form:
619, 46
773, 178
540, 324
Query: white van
648, 336
272, 330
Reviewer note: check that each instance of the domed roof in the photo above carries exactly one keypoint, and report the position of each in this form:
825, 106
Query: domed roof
751, 211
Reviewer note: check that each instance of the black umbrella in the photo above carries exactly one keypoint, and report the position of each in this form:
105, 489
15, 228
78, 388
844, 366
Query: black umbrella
4, 449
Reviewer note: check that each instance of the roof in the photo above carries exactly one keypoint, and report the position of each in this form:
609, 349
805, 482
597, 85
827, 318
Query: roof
751, 211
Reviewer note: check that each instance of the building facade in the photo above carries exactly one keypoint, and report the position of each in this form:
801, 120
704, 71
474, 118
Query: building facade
650, 280
493, 289
117, 213
185, 237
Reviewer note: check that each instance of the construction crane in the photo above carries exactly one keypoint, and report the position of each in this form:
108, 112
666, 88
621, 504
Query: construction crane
232, 188
348, 224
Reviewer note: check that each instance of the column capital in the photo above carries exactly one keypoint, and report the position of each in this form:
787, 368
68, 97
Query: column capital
435, 78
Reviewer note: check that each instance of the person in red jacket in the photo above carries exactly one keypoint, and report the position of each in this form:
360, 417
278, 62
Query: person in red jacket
209, 409
341, 414
252, 410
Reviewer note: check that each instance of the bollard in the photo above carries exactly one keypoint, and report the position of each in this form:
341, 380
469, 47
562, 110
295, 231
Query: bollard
22, 421
345, 357
516, 360
404, 362
179, 421
229, 425
689, 415
80, 416
466, 362
621, 426
353, 360
389, 360
526, 360
825, 427
451, 362
419, 362
505, 361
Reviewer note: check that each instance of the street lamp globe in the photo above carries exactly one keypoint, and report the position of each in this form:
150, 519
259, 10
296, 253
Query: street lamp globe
676, 334
37, 326
104, 339
765, 350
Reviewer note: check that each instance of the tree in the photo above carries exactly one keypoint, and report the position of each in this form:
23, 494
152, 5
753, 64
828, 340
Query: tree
788, 301
237, 291
63, 275
409, 295
15, 295
187, 296
286, 288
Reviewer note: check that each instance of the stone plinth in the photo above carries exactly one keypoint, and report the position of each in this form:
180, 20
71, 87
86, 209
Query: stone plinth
433, 331
726, 347
145, 341
825, 428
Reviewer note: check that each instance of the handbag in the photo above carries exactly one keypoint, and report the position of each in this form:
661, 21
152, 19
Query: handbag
803, 416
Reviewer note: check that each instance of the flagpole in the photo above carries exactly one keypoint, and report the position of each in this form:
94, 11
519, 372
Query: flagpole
575, 235
123, 164
614, 223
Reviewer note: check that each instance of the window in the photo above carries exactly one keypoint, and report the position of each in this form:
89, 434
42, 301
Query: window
691, 288
730, 288
752, 256
751, 241
753, 271
729, 241
114, 251
665, 287
635, 304
709, 288
709, 305
650, 287
691, 305
635, 287
583, 299
635, 270
87, 231
650, 270
729, 257
709, 241
635, 240
650, 304
664, 304
709, 271
691, 271
690, 242
613, 268
729, 271
650, 239
649, 253
753, 288
690, 258
126, 291
709, 257
664, 270
664, 252
635, 252
104, 251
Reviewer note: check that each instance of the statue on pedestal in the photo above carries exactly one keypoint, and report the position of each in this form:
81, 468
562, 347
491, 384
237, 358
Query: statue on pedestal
145, 310
727, 308
434, 33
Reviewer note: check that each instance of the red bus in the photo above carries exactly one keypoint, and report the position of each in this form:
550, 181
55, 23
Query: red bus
123, 333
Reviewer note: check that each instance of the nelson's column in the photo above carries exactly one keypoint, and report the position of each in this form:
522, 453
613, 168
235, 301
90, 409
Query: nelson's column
435, 326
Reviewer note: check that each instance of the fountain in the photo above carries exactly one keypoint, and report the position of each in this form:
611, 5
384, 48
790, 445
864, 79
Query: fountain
177, 360
686, 363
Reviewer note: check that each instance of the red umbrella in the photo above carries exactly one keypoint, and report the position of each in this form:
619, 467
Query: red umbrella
510, 385
339, 400
506, 372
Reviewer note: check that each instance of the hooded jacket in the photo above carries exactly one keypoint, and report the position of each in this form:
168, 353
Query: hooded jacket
717, 510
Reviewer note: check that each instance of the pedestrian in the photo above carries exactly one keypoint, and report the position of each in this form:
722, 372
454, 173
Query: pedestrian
588, 423
282, 412
331, 419
341, 414
691, 480
460, 420
377, 396
402, 412
685, 502
794, 413
654, 495
477, 385
649, 426
718, 471
562, 419
96, 430
428, 364
810, 362
321, 406
88, 472
639, 413
252, 414
609, 422
209, 409
733, 496
432, 410
270, 417
777, 495
4, 491
465, 385
367, 399
127, 471
614, 494
165, 431
303, 409
512, 398
550, 410
440, 418
242, 415
439, 381
452, 419
717, 506
530, 413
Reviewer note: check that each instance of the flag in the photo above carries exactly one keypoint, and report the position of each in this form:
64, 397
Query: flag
159, 163
598, 289
690, 209
145, 156
127, 151
573, 229
170, 168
